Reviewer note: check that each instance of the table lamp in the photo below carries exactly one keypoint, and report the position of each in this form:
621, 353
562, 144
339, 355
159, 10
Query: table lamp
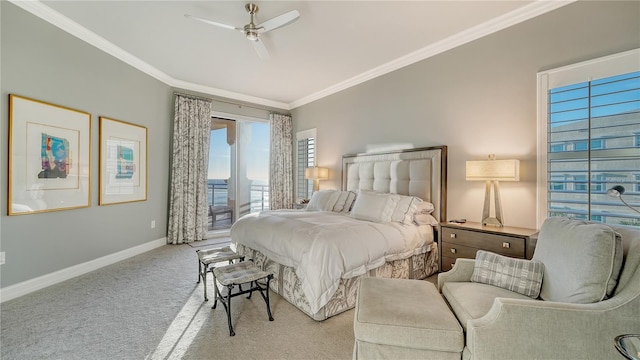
492, 171
316, 173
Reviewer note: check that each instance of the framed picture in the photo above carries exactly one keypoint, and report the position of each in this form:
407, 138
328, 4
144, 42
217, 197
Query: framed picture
49, 157
123, 162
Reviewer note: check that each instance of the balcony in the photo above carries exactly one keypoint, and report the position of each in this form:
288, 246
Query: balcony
223, 209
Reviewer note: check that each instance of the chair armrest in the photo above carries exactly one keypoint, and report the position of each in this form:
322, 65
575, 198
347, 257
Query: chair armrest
508, 330
460, 272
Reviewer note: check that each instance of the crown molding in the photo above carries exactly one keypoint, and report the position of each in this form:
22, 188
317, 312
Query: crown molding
524, 13
62, 22
517, 16
229, 94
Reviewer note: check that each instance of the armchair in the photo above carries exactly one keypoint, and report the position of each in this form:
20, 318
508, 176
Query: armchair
500, 324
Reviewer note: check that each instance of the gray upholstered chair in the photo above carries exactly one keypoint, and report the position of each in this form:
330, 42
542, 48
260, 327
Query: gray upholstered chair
501, 324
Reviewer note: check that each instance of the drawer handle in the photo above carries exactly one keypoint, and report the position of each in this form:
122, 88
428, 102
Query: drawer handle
506, 245
453, 251
453, 236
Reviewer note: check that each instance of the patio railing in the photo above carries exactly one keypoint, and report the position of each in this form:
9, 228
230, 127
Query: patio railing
217, 194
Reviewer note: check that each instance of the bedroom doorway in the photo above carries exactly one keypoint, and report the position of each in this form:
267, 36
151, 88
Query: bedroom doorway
238, 173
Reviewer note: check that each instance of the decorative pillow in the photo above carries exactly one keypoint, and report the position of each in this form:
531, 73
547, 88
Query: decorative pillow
323, 200
405, 209
581, 260
343, 201
517, 275
373, 206
351, 197
425, 208
424, 219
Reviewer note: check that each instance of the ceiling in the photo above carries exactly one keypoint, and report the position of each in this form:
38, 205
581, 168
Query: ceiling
333, 45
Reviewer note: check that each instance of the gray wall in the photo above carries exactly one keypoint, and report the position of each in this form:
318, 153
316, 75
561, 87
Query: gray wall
478, 99
43, 62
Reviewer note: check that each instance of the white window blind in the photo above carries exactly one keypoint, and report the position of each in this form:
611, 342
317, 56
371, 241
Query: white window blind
591, 145
306, 155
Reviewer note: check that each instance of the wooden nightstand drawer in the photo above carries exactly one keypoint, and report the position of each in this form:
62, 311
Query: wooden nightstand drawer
464, 241
458, 251
501, 244
447, 263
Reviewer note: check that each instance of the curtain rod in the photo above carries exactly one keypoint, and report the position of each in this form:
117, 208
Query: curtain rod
192, 96
224, 102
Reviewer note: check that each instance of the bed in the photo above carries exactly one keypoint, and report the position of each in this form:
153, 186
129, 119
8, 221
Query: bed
382, 223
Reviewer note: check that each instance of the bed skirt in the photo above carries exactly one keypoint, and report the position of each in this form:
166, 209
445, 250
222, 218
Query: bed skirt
287, 284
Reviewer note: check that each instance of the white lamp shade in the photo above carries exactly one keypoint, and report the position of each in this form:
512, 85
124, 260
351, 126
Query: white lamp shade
501, 170
316, 173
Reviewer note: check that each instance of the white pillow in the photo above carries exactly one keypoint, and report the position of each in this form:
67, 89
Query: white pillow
405, 209
323, 200
425, 208
374, 207
343, 204
424, 219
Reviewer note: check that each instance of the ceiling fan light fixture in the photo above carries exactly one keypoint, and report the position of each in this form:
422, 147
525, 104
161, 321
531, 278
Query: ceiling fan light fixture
252, 31
252, 35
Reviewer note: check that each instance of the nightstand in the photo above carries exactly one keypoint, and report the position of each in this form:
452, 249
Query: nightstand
299, 206
464, 240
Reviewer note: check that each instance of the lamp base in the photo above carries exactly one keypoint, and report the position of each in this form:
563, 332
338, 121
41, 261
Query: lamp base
492, 221
486, 218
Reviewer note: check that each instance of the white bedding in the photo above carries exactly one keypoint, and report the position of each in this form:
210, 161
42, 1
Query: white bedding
325, 246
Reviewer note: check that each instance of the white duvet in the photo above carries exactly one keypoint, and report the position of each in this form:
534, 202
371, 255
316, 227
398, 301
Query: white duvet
325, 246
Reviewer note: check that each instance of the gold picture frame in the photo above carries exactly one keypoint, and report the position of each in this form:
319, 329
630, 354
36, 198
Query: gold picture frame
123, 162
49, 157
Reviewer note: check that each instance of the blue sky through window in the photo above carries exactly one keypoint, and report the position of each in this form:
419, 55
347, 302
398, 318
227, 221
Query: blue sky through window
609, 96
257, 161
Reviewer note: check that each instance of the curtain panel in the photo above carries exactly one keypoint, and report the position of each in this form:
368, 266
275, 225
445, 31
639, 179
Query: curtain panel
281, 166
188, 204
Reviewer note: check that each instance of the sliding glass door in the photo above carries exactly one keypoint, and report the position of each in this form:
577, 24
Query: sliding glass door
238, 170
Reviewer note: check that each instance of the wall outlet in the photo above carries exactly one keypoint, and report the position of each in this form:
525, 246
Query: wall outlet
153, 224
1, 258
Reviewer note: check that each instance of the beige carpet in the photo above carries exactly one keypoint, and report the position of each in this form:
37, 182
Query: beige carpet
202, 333
150, 307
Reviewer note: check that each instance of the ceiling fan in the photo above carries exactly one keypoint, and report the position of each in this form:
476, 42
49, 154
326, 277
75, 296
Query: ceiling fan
252, 31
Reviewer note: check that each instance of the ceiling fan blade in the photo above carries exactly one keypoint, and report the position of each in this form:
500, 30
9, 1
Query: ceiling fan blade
212, 22
261, 49
279, 21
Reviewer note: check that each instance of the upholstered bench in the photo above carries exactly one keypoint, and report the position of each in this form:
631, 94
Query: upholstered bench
235, 275
404, 319
213, 256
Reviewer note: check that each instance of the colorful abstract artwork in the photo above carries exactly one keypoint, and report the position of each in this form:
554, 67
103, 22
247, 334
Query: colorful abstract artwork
123, 162
55, 157
126, 166
49, 157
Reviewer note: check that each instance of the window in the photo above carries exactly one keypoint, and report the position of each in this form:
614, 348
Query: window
589, 114
580, 183
306, 155
557, 147
583, 145
557, 183
238, 169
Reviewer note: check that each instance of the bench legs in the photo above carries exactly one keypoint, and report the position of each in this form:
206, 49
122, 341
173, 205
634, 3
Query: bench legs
202, 274
226, 300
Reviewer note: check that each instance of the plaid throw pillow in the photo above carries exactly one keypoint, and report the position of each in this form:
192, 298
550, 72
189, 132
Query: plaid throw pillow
518, 275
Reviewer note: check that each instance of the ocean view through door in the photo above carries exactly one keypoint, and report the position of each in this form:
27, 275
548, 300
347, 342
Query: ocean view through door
238, 173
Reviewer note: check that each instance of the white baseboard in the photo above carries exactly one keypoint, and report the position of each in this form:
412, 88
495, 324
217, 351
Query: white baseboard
26, 287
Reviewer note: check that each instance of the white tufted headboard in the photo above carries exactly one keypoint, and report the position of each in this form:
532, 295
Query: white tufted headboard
418, 172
